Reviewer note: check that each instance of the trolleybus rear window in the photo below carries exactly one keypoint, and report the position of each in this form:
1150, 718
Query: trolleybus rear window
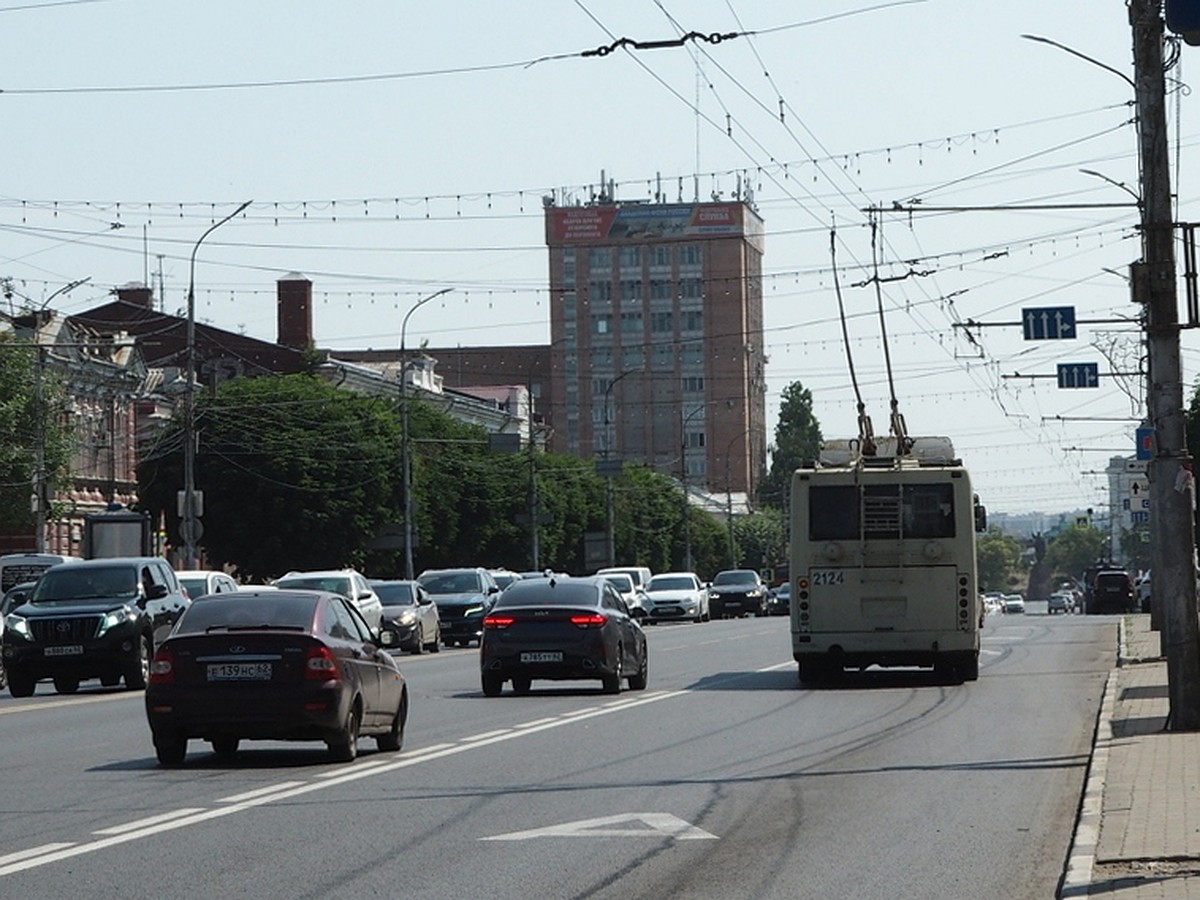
847, 512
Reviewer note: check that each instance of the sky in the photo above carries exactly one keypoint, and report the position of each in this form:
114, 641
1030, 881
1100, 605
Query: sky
391, 150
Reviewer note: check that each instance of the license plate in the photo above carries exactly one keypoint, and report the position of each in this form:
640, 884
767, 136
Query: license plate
65, 650
240, 672
543, 657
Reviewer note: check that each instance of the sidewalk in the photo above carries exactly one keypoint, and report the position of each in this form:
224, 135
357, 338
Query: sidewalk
1138, 835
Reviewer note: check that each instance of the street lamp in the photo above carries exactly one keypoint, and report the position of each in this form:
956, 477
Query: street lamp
189, 525
729, 495
406, 488
39, 473
610, 525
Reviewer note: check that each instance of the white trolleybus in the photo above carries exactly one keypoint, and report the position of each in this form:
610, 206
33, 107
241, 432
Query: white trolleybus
883, 565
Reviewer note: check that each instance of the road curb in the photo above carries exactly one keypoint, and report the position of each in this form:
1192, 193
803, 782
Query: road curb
1082, 856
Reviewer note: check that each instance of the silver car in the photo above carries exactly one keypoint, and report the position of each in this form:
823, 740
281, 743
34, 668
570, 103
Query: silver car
347, 582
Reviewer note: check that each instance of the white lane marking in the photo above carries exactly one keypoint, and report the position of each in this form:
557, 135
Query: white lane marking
51, 853
76, 701
262, 791
32, 851
775, 668
486, 735
150, 820
654, 825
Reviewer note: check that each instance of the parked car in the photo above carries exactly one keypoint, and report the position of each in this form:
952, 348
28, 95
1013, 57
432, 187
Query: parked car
736, 592
18, 568
1112, 592
562, 629
676, 595
779, 600
347, 582
99, 618
462, 597
199, 583
1014, 603
410, 614
292, 665
633, 596
640, 574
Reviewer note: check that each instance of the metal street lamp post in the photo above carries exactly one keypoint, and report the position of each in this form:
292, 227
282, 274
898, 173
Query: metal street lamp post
687, 525
189, 525
729, 496
405, 477
610, 524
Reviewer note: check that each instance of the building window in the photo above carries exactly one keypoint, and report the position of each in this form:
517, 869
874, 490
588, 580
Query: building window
691, 353
689, 255
602, 357
568, 302
600, 260
662, 323
663, 356
601, 323
660, 256
691, 320
691, 288
630, 258
692, 384
631, 291
660, 290
631, 323
694, 440
569, 265
600, 291
633, 357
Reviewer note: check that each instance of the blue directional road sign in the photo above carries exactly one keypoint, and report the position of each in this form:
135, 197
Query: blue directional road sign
1048, 323
1078, 375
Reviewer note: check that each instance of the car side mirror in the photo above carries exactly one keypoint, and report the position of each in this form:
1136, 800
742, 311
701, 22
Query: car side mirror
156, 592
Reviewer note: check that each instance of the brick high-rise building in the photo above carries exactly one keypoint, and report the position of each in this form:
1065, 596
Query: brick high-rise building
656, 330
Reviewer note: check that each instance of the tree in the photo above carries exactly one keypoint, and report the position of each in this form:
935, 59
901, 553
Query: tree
23, 425
760, 540
1074, 549
998, 556
797, 438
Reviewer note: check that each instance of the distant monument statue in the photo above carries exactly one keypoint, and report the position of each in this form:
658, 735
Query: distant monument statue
1039, 572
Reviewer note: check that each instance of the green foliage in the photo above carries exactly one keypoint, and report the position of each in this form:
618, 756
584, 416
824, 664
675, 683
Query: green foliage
797, 438
1074, 549
760, 540
998, 556
21, 423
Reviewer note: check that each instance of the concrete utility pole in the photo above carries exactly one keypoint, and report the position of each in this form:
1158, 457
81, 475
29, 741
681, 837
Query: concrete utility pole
1172, 489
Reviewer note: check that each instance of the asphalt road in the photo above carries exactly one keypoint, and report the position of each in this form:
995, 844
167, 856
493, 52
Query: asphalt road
723, 779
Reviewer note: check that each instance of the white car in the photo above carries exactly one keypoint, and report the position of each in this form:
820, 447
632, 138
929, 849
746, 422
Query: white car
676, 595
634, 597
1014, 603
347, 582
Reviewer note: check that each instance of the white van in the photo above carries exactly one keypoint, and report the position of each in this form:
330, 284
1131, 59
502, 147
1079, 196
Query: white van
16, 568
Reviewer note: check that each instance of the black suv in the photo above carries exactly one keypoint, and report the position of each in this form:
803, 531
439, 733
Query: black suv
737, 592
100, 618
462, 597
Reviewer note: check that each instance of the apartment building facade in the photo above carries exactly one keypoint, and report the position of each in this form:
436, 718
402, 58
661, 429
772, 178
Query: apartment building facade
657, 345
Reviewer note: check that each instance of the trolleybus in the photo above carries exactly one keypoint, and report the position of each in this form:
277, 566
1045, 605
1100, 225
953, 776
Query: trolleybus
883, 566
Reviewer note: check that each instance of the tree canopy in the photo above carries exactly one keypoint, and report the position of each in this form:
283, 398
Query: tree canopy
797, 438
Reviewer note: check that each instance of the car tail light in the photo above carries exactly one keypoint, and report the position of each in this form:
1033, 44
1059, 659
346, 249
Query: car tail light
320, 664
497, 620
590, 620
162, 667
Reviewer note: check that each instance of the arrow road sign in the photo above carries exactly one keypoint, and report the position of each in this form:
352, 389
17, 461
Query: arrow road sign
1078, 375
1048, 323
630, 825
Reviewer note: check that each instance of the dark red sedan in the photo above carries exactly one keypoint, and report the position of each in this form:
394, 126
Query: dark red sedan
561, 629
286, 665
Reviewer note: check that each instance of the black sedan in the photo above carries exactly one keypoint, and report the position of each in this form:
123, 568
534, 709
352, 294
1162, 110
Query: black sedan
274, 665
562, 629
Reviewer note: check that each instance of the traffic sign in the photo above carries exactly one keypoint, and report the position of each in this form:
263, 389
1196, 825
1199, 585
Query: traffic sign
1078, 375
1048, 323
1145, 443
1139, 494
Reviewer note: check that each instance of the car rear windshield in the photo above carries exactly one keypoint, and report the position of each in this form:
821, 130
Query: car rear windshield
274, 610
550, 592
86, 583
396, 593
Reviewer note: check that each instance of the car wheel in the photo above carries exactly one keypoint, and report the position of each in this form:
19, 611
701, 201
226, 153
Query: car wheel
393, 739
65, 684
344, 747
418, 646
170, 748
638, 682
521, 684
612, 681
492, 684
3, 677
225, 746
139, 667
20, 684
